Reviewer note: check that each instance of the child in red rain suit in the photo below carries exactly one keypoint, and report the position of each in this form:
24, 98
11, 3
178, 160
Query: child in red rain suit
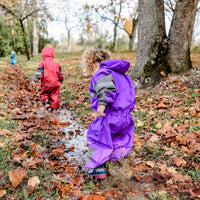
50, 74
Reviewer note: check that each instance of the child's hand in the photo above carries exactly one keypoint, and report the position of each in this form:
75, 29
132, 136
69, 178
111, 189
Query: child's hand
100, 110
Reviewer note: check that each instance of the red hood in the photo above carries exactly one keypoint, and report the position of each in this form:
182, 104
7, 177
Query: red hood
47, 52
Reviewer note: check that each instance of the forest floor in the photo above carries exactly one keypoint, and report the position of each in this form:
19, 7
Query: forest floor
39, 161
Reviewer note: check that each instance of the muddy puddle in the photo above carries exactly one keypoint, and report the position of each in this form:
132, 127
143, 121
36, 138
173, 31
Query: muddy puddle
120, 180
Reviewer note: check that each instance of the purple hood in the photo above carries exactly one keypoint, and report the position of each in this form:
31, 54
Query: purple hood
117, 65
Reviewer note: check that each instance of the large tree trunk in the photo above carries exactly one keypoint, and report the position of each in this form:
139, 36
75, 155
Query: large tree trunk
13, 33
132, 35
28, 34
113, 48
68, 40
180, 35
25, 42
151, 42
35, 30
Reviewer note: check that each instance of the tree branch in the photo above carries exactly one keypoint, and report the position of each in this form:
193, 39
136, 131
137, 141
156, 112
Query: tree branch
9, 11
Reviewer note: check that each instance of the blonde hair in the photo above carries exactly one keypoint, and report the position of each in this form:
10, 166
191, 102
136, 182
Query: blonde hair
91, 56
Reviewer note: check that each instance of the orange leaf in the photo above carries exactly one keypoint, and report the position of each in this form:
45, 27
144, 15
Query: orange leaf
58, 151
2, 193
92, 197
16, 176
162, 105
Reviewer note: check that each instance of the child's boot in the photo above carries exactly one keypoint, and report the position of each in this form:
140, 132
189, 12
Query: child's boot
99, 172
46, 105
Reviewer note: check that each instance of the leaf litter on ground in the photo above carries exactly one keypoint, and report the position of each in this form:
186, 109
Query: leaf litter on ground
164, 162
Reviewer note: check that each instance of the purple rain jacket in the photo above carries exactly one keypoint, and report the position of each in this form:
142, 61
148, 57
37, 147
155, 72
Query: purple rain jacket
111, 137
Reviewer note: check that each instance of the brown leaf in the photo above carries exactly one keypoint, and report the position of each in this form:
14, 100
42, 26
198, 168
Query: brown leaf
32, 162
179, 161
5, 132
162, 105
64, 189
58, 151
2, 193
92, 197
195, 192
55, 121
32, 183
166, 128
37, 151
16, 176
23, 116
2, 180
71, 148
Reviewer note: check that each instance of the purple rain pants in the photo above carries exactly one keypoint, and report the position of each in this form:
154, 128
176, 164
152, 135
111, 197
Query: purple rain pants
109, 138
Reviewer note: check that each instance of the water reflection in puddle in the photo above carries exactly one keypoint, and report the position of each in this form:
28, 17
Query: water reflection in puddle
75, 140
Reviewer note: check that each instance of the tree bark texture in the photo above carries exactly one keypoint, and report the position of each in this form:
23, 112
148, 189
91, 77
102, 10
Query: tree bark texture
151, 47
13, 33
132, 34
180, 35
69, 40
25, 40
156, 53
35, 30
113, 48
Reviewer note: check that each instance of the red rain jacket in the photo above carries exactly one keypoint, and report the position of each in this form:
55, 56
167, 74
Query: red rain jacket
52, 71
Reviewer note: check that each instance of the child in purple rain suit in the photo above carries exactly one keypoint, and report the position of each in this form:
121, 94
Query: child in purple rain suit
110, 135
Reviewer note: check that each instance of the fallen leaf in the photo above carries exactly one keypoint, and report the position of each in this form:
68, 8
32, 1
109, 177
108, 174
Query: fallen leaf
195, 192
16, 176
32, 183
58, 151
140, 124
2, 144
92, 197
169, 152
166, 128
159, 125
2, 193
179, 161
162, 192
151, 163
5, 132
2, 180
172, 170
162, 105
154, 138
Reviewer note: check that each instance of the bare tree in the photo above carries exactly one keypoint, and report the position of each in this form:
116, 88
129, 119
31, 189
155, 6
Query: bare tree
68, 27
35, 28
132, 32
111, 12
130, 25
20, 10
